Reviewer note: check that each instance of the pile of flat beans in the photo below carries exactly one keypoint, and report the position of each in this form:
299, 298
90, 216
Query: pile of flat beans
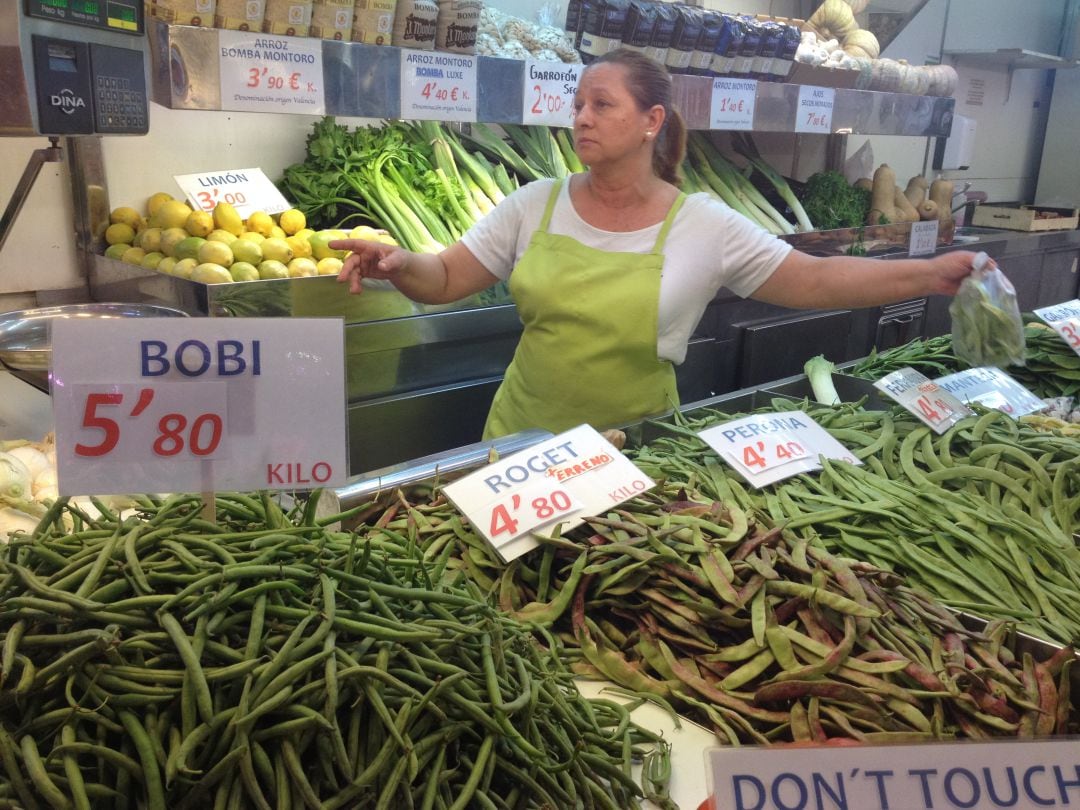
983, 516
260, 660
689, 596
1051, 368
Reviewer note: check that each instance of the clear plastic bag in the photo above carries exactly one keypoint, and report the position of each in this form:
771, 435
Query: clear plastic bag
987, 329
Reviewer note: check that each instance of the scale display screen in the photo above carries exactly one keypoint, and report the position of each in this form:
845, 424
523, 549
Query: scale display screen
111, 15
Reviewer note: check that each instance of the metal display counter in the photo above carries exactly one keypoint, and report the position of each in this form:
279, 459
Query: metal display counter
420, 379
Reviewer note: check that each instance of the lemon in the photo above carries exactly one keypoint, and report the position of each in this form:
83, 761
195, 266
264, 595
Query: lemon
188, 247
292, 221
215, 253
167, 264
298, 268
320, 245
243, 271
210, 273
119, 233
133, 255
364, 232
156, 201
150, 240
244, 250
260, 222
220, 235
173, 214
199, 223
272, 269
304, 233
170, 238
151, 260
228, 219
329, 266
278, 232
301, 248
386, 239
184, 268
252, 236
125, 215
117, 250
277, 250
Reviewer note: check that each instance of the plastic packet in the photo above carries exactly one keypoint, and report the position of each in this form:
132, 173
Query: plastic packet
987, 329
549, 14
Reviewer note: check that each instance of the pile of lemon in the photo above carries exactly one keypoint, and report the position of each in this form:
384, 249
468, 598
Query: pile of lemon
220, 246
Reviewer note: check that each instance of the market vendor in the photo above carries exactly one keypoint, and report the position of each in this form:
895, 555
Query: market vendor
612, 269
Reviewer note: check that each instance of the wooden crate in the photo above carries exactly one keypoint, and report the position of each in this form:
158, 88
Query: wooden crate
1025, 218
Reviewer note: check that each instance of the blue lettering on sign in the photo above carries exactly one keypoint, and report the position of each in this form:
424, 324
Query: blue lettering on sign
763, 428
1063, 785
972, 787
519, 473
1014, 793
922, 773
194, 358
740, 779
1029, 789
879, 777
797, 784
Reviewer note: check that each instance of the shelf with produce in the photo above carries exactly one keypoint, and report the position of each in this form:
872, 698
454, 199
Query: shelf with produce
364, 81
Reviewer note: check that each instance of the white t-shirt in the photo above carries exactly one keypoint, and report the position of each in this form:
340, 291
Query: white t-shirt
708, 247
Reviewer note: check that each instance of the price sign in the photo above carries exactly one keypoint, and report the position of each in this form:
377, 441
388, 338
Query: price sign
562, 480
733, 104
923, 239
548, 95
992, 388
765, 448
198, 405
266, 73
1019, 774
1065, 320
936, 407
247, 190
438, 86
814, 113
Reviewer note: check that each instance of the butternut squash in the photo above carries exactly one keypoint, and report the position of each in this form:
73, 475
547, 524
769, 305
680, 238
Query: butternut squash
941, 192
864, 183
928, 210
864, 40
905, 211
882, 194
916, 190
833, 19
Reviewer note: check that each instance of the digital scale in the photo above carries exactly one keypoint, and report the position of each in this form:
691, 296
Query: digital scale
73, 67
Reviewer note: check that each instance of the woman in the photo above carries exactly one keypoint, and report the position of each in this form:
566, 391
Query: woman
612, 269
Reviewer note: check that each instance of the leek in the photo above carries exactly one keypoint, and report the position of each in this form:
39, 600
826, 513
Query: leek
819, 371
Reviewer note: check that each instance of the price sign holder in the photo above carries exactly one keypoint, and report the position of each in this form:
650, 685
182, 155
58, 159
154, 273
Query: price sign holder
1065, 320
933, 405
547, 98
247, 190
815, 110
267, 73
199, 404
923, 238
992, 388
561, 480
438, 86
1017, 773
769, 447
733, 104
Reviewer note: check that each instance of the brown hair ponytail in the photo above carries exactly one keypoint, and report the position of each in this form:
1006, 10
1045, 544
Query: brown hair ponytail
650, 84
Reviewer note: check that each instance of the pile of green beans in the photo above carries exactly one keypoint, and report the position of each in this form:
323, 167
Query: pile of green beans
261, 660
981, 517
688, 596
1051, 368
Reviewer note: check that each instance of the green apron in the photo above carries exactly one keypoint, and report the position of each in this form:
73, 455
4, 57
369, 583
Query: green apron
588, 350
